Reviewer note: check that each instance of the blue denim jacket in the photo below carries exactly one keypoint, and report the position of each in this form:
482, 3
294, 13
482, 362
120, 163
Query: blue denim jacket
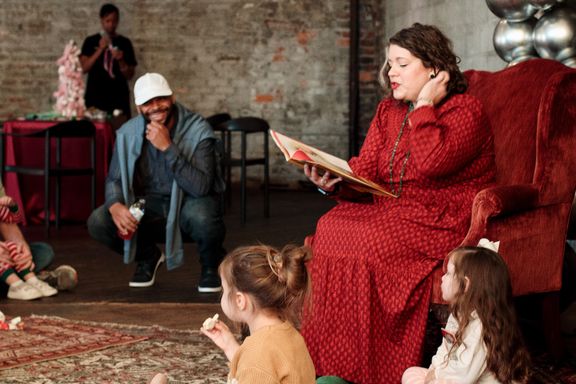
190, 130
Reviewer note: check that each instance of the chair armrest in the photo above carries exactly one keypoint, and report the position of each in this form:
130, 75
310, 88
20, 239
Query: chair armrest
505, 199
499, 201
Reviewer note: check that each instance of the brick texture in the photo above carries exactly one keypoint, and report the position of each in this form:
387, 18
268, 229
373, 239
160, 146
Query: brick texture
283, 60
280, 60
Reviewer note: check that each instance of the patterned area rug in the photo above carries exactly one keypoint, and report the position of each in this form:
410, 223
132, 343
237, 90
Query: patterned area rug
48, 338
547, 370
185, 356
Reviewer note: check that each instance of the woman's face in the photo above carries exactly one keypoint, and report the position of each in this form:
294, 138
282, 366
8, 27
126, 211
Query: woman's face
407, 73
449, 284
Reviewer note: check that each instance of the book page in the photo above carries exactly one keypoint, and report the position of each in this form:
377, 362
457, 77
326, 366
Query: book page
310, 154
320, 157
299, 153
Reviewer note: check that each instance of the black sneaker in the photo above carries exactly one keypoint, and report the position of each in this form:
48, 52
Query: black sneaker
209, 281
146, 273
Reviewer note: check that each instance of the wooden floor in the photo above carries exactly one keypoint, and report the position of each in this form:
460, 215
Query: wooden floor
103, 293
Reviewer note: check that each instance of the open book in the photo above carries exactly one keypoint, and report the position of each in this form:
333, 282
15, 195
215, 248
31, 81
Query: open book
299, 153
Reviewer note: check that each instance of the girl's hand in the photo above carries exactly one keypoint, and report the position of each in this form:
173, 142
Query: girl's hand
434, 90
6, 201
223, 338
27, 261
324, 182
23, 258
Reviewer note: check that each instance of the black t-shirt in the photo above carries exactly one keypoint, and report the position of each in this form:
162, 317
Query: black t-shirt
102, 90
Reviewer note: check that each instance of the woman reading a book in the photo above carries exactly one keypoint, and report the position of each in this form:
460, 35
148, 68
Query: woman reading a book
430, 144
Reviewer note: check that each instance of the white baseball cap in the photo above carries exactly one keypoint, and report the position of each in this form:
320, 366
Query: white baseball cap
149, 86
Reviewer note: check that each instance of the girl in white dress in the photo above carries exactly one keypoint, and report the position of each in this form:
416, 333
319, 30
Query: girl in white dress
482, 342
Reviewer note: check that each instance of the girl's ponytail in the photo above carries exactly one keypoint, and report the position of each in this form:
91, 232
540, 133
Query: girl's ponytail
278, 280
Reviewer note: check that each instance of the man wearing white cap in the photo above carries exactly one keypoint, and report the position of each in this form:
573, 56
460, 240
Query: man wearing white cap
167, 156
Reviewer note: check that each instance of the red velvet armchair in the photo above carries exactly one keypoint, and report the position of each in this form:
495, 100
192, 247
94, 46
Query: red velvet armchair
532, 110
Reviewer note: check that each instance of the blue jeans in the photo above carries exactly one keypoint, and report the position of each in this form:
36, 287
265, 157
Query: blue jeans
42, 255
200, 221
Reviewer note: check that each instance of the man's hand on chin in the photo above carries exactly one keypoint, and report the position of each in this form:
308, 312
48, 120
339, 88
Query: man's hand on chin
158, 135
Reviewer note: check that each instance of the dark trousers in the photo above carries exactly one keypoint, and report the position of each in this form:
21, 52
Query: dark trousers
200, 220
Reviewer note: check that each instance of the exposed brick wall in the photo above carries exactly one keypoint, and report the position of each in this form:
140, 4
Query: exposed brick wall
283, 60
370, 60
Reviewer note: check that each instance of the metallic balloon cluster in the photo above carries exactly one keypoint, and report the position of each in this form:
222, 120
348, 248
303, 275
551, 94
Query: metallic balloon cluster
535, 28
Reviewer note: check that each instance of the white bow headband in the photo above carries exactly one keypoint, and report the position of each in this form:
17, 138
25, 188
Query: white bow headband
491, 245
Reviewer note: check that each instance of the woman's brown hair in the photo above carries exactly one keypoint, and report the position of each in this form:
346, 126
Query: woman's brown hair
430, 45
277, 279
488, 292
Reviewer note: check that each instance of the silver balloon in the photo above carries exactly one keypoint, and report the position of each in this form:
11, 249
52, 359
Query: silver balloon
542, 4
555, 35
512, 10
513, 41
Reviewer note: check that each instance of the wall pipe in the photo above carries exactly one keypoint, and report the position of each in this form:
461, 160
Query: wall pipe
354, 89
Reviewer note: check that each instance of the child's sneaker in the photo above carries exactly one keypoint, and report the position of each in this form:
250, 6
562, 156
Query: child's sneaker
62, 278
23, 291
41, 286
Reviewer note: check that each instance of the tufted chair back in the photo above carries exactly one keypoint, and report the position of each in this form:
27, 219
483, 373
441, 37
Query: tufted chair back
532, 111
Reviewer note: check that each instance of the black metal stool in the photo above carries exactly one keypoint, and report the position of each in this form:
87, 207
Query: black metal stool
244, 126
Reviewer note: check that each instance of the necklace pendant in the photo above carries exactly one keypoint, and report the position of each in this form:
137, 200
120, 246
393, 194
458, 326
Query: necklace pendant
393, 155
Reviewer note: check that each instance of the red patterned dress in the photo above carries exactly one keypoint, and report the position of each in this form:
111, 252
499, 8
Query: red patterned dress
372, 260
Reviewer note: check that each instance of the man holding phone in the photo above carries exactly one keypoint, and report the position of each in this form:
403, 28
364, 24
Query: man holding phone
109, 60
167, 156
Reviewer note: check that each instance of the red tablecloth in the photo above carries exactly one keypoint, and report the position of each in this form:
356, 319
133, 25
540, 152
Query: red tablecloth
28, 191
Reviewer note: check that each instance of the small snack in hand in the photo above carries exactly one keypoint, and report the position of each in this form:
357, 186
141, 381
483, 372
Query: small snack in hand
210, 322
16, 323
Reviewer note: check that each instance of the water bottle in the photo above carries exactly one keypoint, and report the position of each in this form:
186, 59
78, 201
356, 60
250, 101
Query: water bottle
137, 211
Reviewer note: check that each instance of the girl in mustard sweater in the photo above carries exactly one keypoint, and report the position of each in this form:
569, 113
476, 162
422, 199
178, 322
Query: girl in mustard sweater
265, 289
